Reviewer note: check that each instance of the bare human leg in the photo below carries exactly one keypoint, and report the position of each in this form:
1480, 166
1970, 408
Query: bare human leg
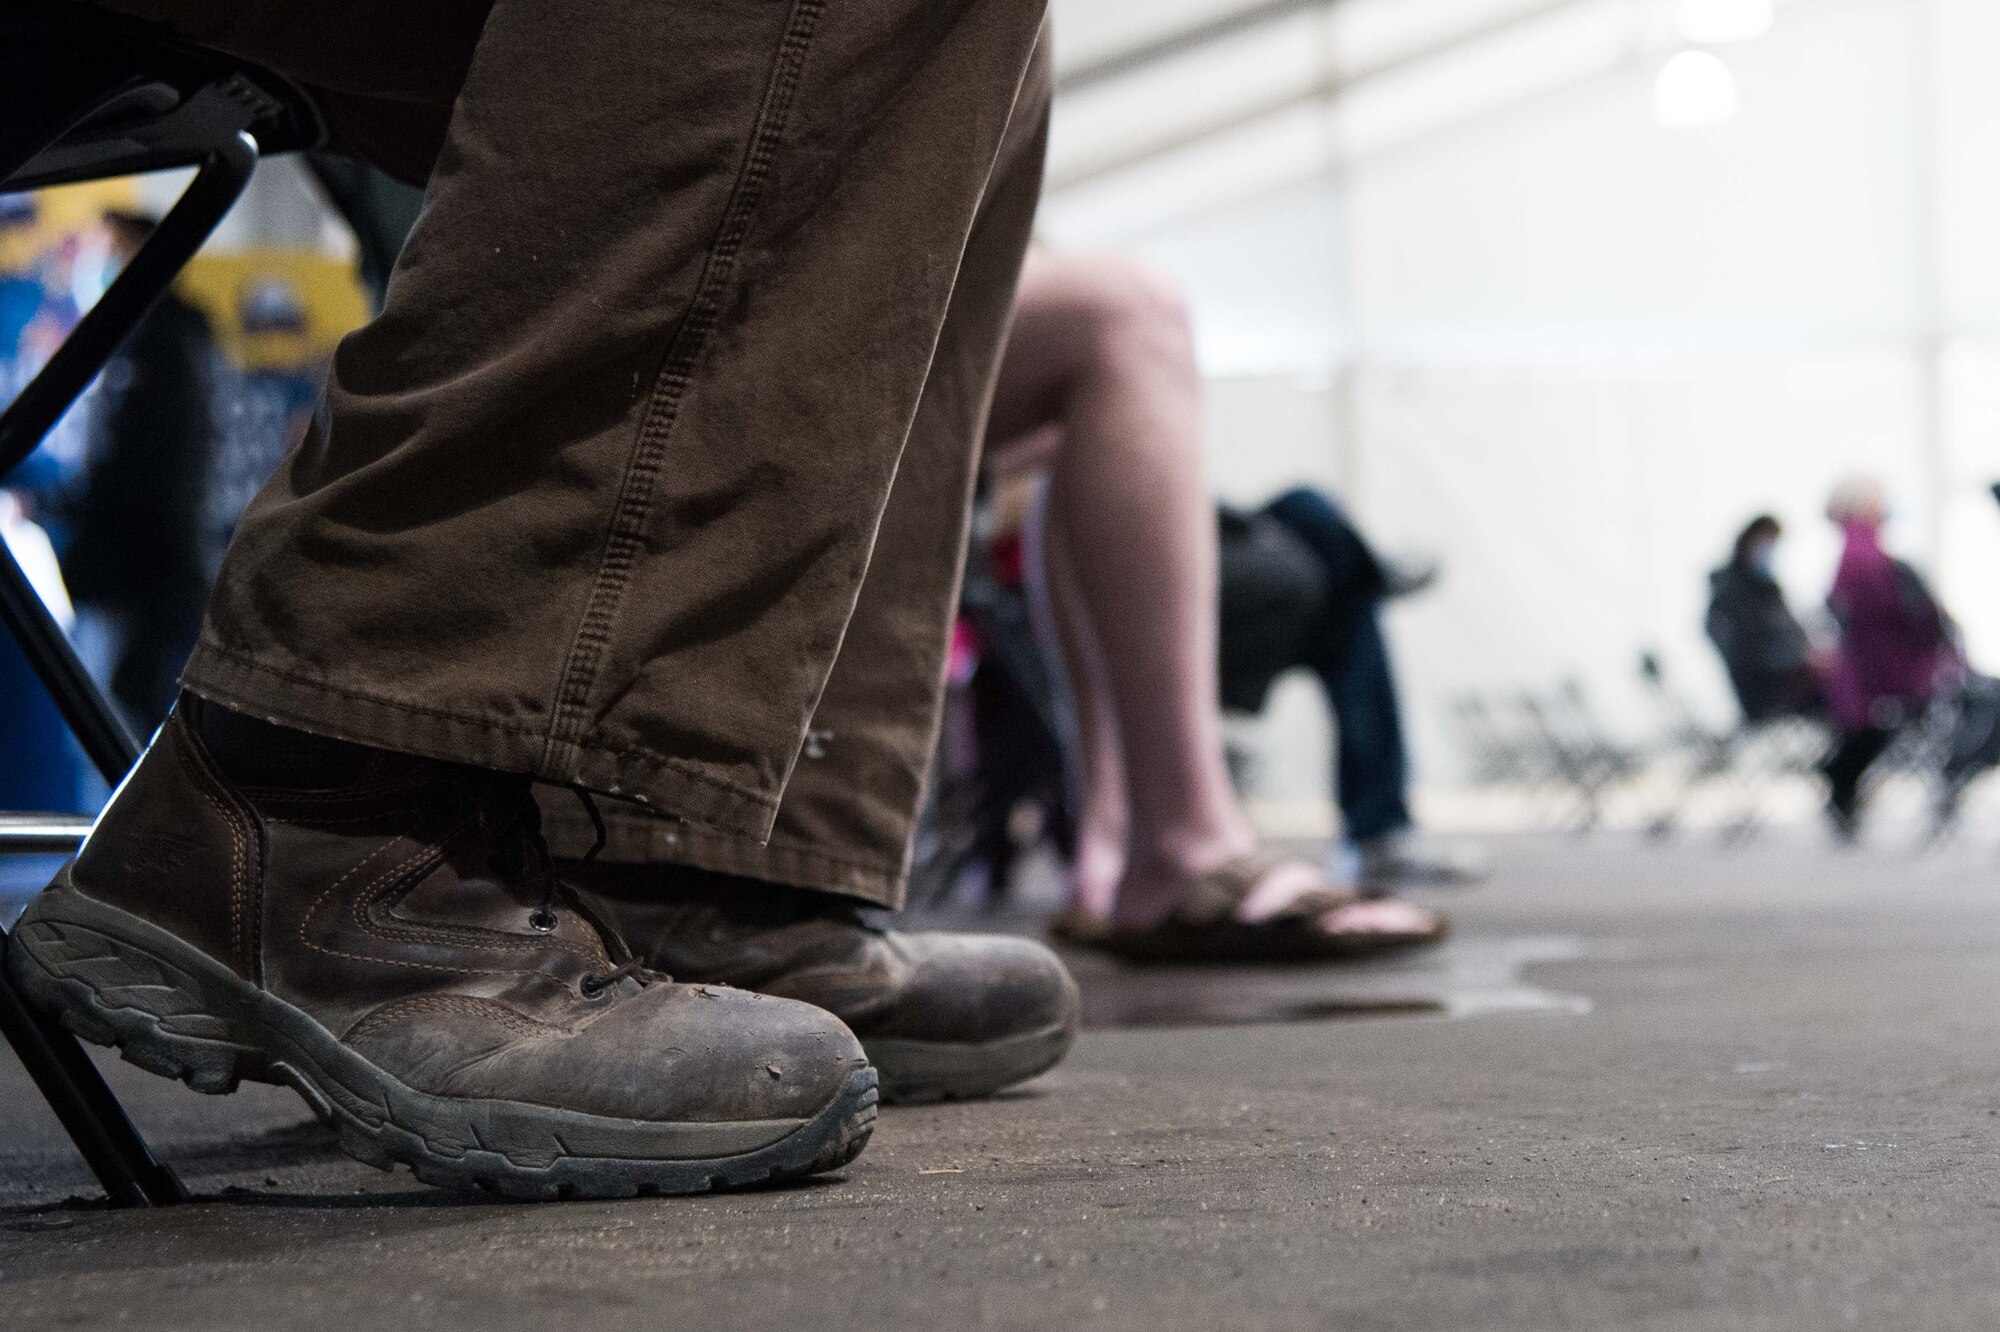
1103, 821
1099, 385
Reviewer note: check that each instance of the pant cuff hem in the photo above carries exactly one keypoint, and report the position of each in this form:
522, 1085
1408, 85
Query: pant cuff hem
642, 839
326, 709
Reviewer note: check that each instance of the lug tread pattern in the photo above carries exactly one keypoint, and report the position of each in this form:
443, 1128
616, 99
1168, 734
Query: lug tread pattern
174, 1023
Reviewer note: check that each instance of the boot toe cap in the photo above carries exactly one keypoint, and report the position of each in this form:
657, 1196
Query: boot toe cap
979, 988
667, 1054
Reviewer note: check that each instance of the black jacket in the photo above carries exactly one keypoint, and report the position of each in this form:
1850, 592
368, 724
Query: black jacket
1273, 588
1763, 646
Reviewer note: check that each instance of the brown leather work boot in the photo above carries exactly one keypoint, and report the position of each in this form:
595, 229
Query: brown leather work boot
942, 1016
394, 947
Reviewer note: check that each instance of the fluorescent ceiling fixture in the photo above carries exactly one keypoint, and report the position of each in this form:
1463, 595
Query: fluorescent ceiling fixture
1716, 21
1695, 90
1255, 161
1092, 30
1467, 82
1223, 81
1380, 32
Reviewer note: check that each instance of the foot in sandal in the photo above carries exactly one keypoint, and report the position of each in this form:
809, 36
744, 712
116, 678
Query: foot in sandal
1257, 908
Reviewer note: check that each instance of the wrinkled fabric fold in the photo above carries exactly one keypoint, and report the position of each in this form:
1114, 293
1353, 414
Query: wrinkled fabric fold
620, 471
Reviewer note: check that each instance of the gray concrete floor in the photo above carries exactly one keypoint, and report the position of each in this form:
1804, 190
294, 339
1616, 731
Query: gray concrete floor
1643, 1088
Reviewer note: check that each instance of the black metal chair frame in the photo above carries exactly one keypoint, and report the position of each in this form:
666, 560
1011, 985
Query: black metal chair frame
1727, 770
101, 97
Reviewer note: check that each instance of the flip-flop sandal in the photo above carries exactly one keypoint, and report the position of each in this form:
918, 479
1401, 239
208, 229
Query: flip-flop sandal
1074, 925
1203, 926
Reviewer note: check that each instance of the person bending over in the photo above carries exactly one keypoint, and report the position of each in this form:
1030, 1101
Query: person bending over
1301, 587
1098, 385
655, 463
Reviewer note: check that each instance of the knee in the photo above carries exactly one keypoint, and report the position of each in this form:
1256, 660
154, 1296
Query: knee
1144, 306
1128, 309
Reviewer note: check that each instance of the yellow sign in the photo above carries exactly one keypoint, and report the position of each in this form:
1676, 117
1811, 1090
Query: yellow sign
275, 309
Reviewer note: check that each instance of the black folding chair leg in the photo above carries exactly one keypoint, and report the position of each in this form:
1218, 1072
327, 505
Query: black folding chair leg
71, 1084
89, 1113
91, 716
217, 185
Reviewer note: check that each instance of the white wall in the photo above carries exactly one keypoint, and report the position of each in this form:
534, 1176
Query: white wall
1591, 347
1574, 351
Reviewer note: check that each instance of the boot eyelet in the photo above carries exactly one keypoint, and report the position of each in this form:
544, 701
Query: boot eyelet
542, 921
591, 988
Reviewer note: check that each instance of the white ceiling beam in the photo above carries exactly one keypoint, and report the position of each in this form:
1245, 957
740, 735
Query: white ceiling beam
1329, 84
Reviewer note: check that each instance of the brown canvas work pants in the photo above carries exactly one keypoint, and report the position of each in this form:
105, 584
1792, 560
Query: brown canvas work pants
652, 475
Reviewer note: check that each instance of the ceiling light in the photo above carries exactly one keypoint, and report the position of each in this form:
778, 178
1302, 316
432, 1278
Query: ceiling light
1695, 90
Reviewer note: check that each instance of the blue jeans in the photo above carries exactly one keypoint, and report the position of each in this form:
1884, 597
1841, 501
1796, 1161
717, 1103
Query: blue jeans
1347, 650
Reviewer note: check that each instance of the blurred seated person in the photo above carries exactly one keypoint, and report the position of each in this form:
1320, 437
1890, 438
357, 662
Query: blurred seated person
1896, 646
1098, 387
1301, 587
137, 549
1765, 649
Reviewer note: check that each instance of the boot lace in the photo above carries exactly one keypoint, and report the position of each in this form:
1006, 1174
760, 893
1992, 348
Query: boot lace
596, 983
521, 849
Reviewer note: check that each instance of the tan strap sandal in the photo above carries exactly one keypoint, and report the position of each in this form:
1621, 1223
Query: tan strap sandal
1203, 926
1074, 925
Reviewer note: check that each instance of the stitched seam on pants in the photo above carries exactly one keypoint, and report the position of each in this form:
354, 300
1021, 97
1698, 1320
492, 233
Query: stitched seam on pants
569, 718
685, 836
796, 868
792, 848
844, 862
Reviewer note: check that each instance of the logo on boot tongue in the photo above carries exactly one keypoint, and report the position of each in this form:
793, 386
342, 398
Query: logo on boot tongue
160, 852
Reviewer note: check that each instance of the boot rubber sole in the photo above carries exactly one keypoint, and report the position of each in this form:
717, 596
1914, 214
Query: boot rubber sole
922, 1072
116, 980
